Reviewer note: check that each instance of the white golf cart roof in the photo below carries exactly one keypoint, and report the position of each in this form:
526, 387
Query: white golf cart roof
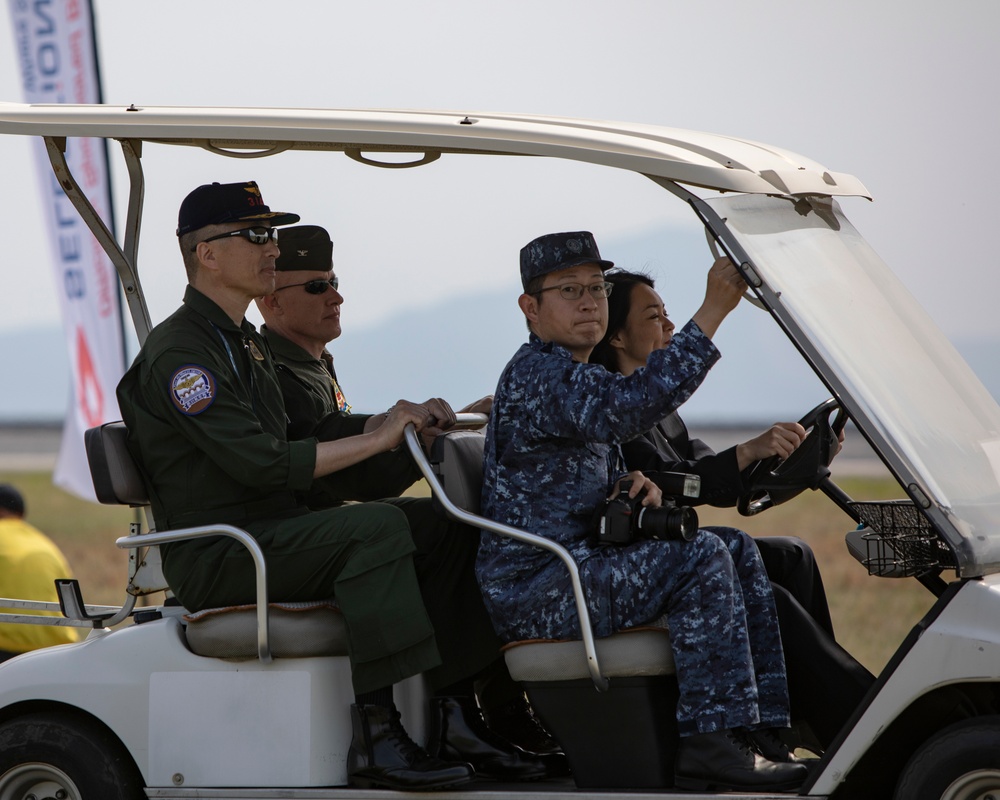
911, 394
699, 159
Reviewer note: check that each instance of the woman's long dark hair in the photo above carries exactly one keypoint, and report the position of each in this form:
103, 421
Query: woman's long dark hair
619, 304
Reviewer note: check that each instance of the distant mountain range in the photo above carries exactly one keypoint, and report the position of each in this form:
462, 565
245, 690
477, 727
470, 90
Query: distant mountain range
459, 354
457, 348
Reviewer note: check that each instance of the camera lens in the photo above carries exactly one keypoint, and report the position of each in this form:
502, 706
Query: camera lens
667, 522
684, 520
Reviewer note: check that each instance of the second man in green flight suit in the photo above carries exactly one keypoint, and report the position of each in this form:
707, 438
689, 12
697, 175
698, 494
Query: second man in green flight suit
301, 316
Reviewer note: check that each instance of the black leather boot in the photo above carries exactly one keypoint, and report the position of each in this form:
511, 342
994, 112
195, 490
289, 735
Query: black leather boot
458, 732
382, 756
723, 762
516, 722
768, 743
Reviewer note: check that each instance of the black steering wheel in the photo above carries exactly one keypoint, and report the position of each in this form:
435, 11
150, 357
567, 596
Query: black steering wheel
772, 481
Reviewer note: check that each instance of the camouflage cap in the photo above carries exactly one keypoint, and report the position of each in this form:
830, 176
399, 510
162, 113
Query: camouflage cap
304, 247
556, 251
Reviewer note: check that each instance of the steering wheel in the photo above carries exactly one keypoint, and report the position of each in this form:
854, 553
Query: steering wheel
772, 481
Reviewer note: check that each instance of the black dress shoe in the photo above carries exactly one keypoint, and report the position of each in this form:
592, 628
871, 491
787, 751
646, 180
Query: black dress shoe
517, 723
382, 756
458, 732
723, 762
767, 742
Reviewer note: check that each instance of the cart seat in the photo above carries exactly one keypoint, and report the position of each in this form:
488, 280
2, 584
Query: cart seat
457, 460
621, 738
643, 650
296, 630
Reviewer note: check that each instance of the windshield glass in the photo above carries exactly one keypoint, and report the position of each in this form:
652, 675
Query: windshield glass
925, 408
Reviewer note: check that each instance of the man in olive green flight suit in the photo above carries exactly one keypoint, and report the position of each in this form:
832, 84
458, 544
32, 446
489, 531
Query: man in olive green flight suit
207, 426
301, 316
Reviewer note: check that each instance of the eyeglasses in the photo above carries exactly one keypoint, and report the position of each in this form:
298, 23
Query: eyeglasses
574, 291
255, 235
318, 286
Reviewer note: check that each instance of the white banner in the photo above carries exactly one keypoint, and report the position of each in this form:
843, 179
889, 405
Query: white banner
55, 46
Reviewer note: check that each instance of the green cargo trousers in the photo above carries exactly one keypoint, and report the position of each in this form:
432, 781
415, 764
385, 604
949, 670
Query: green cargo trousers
445, 562
361, 554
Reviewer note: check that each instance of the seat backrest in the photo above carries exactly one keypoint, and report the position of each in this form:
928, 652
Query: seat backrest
116, 476
296, 629
118, 481
457, 460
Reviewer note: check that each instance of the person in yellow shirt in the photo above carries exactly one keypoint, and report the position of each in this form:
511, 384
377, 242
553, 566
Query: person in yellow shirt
29, 564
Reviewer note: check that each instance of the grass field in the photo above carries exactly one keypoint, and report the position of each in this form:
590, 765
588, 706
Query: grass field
871, 615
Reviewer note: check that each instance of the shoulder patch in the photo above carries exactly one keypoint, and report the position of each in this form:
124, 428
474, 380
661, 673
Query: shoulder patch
192, 389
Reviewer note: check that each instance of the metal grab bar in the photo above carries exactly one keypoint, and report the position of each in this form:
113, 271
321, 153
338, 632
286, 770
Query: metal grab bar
466, 420
244, 538
44, 605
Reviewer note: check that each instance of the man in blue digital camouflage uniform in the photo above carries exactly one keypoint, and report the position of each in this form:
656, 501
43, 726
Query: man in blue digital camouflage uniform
550, 461
207, 427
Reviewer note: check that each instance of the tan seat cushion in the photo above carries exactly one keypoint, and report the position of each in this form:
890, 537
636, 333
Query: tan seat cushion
629, 653
297, 630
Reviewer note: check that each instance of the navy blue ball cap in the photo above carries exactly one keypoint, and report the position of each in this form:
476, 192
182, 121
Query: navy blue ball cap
556, 251
219, 203
304, 247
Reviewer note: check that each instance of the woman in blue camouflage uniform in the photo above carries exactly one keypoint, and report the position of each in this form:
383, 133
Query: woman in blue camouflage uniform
551, 459
825, 683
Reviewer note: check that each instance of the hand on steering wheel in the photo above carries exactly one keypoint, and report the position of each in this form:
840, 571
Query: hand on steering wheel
772, 481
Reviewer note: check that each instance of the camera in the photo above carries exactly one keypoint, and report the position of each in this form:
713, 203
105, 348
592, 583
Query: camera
624, 520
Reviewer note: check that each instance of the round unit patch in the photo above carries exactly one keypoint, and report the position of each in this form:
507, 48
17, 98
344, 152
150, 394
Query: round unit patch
192, 389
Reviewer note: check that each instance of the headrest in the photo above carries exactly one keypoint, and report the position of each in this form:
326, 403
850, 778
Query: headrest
457, 459
116, 476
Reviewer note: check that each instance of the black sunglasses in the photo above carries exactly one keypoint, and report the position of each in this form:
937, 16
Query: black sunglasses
318, 286
255, 235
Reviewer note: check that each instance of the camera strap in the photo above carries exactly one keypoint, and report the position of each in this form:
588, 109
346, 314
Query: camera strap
617, 461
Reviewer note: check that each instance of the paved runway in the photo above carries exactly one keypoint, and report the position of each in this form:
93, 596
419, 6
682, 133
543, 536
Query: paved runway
29, 447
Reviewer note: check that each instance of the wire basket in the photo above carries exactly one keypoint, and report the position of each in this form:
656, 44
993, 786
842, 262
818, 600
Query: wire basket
899, 540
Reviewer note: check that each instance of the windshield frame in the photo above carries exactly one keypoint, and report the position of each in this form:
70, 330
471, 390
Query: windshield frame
936, 478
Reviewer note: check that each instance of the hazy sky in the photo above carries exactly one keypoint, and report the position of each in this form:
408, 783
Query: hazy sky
900, 94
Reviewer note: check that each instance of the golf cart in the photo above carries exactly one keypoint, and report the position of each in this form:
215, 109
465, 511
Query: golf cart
160, 704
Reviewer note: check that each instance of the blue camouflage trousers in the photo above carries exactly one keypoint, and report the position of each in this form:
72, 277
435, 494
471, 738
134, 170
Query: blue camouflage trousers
762, 627
723, 626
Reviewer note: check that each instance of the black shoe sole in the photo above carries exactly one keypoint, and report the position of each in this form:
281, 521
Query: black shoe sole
705, 785
364, 782
487, 776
